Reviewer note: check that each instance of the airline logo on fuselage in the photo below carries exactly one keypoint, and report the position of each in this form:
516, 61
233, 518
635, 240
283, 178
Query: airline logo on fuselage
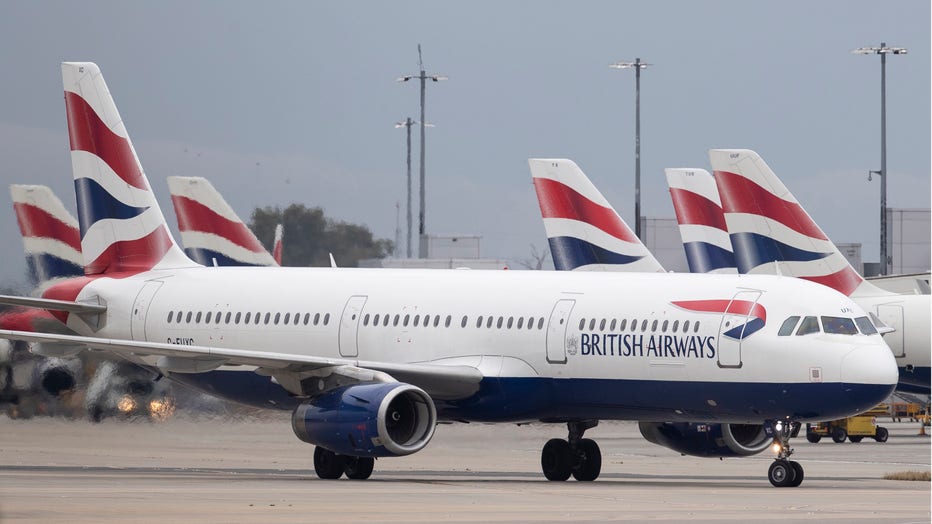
637, 345
754, 313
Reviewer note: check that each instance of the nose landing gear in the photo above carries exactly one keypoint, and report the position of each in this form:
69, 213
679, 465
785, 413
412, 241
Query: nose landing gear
576, 456
783, 472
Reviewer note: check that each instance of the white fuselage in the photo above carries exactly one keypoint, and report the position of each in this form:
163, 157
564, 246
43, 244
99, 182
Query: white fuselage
576, 359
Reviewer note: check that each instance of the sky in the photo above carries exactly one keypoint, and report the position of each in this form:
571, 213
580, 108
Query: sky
295, 102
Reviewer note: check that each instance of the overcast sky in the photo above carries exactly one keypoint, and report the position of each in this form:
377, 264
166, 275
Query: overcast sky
282, 102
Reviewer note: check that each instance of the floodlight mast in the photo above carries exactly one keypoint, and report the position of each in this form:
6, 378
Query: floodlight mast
423, 77
407, 125
637, 65
883, 51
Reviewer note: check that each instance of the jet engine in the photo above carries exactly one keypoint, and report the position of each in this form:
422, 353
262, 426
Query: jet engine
368, 420
708, 440
55, 376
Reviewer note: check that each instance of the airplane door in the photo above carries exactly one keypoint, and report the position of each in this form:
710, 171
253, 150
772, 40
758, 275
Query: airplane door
141, 308
892, 316
349, 325
731, 330
556, 331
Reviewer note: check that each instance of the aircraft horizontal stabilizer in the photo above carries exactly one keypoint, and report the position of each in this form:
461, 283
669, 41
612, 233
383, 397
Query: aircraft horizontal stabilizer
53, 305
448, 382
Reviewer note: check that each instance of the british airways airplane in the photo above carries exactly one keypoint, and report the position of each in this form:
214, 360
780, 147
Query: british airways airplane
701, 220
771, 233
375, 357
211, 232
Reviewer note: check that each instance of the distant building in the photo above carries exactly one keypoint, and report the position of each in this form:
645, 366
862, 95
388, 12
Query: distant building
662, 238
443, 252
909, 244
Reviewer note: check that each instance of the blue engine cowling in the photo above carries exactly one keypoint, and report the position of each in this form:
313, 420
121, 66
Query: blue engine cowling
368, 420
709, 440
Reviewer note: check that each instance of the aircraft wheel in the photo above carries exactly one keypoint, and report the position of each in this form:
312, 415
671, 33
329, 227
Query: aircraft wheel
781, 473
327, 464
556, 459
590, 461
359, 468
882, 434
813, 437
798, 474
839, 435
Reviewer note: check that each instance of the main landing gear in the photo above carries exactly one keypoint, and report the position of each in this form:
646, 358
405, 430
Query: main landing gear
576, 456
785, 473
330, 465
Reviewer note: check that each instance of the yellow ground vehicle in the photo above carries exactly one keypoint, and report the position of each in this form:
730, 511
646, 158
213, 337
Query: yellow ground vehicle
852, 428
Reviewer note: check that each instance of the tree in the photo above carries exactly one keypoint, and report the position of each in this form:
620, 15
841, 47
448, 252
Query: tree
310, 237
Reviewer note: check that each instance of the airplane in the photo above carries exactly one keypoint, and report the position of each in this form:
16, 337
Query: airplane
374, 358
772, 233
701, 220
212, 233
584, 231
277, 244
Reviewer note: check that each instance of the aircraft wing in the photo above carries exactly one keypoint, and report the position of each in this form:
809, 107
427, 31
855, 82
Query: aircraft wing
53, 305
442, 381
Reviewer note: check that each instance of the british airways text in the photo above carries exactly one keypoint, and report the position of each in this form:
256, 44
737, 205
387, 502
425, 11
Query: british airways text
631, 345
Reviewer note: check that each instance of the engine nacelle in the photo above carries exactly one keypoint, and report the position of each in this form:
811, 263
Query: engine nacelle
56, 376
709, 440
368, 420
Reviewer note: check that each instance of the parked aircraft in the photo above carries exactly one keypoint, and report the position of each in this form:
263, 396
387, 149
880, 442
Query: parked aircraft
702, 221
375, 357
772, 234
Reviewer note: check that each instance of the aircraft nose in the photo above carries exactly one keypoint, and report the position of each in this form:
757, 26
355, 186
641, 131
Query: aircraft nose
869, 374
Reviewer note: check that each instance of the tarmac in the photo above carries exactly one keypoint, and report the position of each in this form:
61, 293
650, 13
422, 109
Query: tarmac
253, 469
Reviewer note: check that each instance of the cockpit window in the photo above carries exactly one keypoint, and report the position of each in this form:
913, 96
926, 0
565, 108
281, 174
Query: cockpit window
787, 328
839, 325
865, 325
808, 326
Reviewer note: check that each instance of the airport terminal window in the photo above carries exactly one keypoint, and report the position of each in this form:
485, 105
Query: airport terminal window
787, 328
808, 325
839, 325
866, 326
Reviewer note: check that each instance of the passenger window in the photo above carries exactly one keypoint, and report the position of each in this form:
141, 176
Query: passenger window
465, 321
479, 321
448, 321
375, 321
217, 317
237, 318
385, 320
207, 318
188, 317
316, 318
510, 321
592, 324
365, 320
417, 318
696, 327
326, 318
676, 324
246, 320
268, 316
530, 323
307, 318
520, 323
278, 316
809, 325
488, 322
644, 325
582, 324
685, 326
197, 318
540, 323
297, 318
664, 326
406, 320
170, 315
866, 326
634, 325
287, 318
653, 326
395, 320
623, 325
602, 325
499, 323
612, 326
787, 328
839, 326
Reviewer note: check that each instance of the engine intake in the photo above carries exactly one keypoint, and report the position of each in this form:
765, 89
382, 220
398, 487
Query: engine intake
708, 440
368, 420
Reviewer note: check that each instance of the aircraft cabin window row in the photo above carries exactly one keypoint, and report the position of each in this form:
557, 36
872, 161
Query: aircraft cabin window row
623, 325
830, 325
428, 320
247, 318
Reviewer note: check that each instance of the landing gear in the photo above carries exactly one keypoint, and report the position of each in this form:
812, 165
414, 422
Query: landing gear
785, 473
330, 466
576, 456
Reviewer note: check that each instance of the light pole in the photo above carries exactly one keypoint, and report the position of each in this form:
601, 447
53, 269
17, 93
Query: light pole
423, 77
883, 51
637, 65
407, 125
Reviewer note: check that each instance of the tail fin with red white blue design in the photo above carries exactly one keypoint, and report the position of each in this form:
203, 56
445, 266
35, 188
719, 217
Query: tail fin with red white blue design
277, 246
701, 220
122, 226
211, 231
583, 229
50, 234
770, 231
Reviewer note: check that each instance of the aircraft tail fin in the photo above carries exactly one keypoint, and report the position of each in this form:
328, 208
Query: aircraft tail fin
769, 228
583, 229
210, 230
122, 226
701, 221
50, 234
277, 245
